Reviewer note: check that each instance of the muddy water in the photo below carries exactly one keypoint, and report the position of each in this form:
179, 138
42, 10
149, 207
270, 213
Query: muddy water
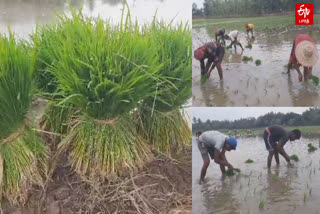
282, 188
246, 84
22, 15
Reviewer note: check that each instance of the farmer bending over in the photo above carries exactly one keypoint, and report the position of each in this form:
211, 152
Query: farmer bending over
233, 37
214, 53
304, 53
275, 137
249, 28
220, 36
215, 144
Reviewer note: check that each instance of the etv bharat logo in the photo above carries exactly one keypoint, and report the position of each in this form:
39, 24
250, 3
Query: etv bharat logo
304, 14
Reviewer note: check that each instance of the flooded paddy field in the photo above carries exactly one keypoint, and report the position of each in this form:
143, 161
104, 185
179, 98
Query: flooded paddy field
245, 83
283, 189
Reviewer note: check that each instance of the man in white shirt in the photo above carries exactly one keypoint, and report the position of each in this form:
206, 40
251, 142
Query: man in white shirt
233, 37
215, 144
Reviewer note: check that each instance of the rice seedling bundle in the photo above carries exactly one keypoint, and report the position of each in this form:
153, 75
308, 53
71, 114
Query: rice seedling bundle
23, 157
162, 120
249, 161
104, 72
294, 157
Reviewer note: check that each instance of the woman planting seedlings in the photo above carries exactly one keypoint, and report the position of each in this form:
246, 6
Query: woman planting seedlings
23, 157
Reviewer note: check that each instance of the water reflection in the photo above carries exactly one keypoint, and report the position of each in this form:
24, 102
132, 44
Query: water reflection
23, 15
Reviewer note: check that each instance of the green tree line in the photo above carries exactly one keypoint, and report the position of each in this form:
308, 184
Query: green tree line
216, 8
307, 118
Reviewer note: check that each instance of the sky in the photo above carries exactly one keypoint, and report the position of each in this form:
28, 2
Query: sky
234, 113
198, 2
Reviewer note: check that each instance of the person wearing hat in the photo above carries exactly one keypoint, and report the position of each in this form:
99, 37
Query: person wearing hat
303, 53
214, 53
220, 36
275, 137
214, 144
233, 37
249, 28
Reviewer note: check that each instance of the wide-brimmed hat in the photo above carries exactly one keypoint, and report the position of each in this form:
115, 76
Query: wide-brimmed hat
307, 54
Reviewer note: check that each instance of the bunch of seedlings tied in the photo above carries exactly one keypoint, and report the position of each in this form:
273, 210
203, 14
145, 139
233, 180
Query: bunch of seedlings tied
23, 156
117, 90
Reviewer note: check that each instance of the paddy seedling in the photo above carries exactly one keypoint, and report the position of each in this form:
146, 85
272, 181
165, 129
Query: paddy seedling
204, 79
249, 161
311, 148
294, 157
249, 46
258, 62
247, 58
261, 205
315, 80
305, 197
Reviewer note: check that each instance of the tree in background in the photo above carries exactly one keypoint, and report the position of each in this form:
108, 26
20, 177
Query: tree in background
250, 7
309, 117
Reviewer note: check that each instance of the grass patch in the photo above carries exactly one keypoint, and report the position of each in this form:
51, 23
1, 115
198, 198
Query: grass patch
311, 148
247, 58
258, 62
294, 157
249, 161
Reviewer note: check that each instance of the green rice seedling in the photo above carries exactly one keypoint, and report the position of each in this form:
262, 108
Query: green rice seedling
258, 62
23, 157
162, 121
305, 197
237, 170
247, 58
249, 46
315, 79
229, 173
109, 74
261, 205
294, 157
249, 161
164, 130
311, 148
274, 176
57, 118
204, 79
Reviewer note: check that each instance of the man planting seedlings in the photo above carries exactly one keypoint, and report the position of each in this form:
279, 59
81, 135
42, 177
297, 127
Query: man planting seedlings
275, 137
215, 144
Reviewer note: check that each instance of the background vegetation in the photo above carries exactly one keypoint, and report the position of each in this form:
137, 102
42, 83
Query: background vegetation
216, 8
310, 117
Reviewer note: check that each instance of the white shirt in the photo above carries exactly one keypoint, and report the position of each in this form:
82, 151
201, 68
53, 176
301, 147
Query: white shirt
233, 34
213, 138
